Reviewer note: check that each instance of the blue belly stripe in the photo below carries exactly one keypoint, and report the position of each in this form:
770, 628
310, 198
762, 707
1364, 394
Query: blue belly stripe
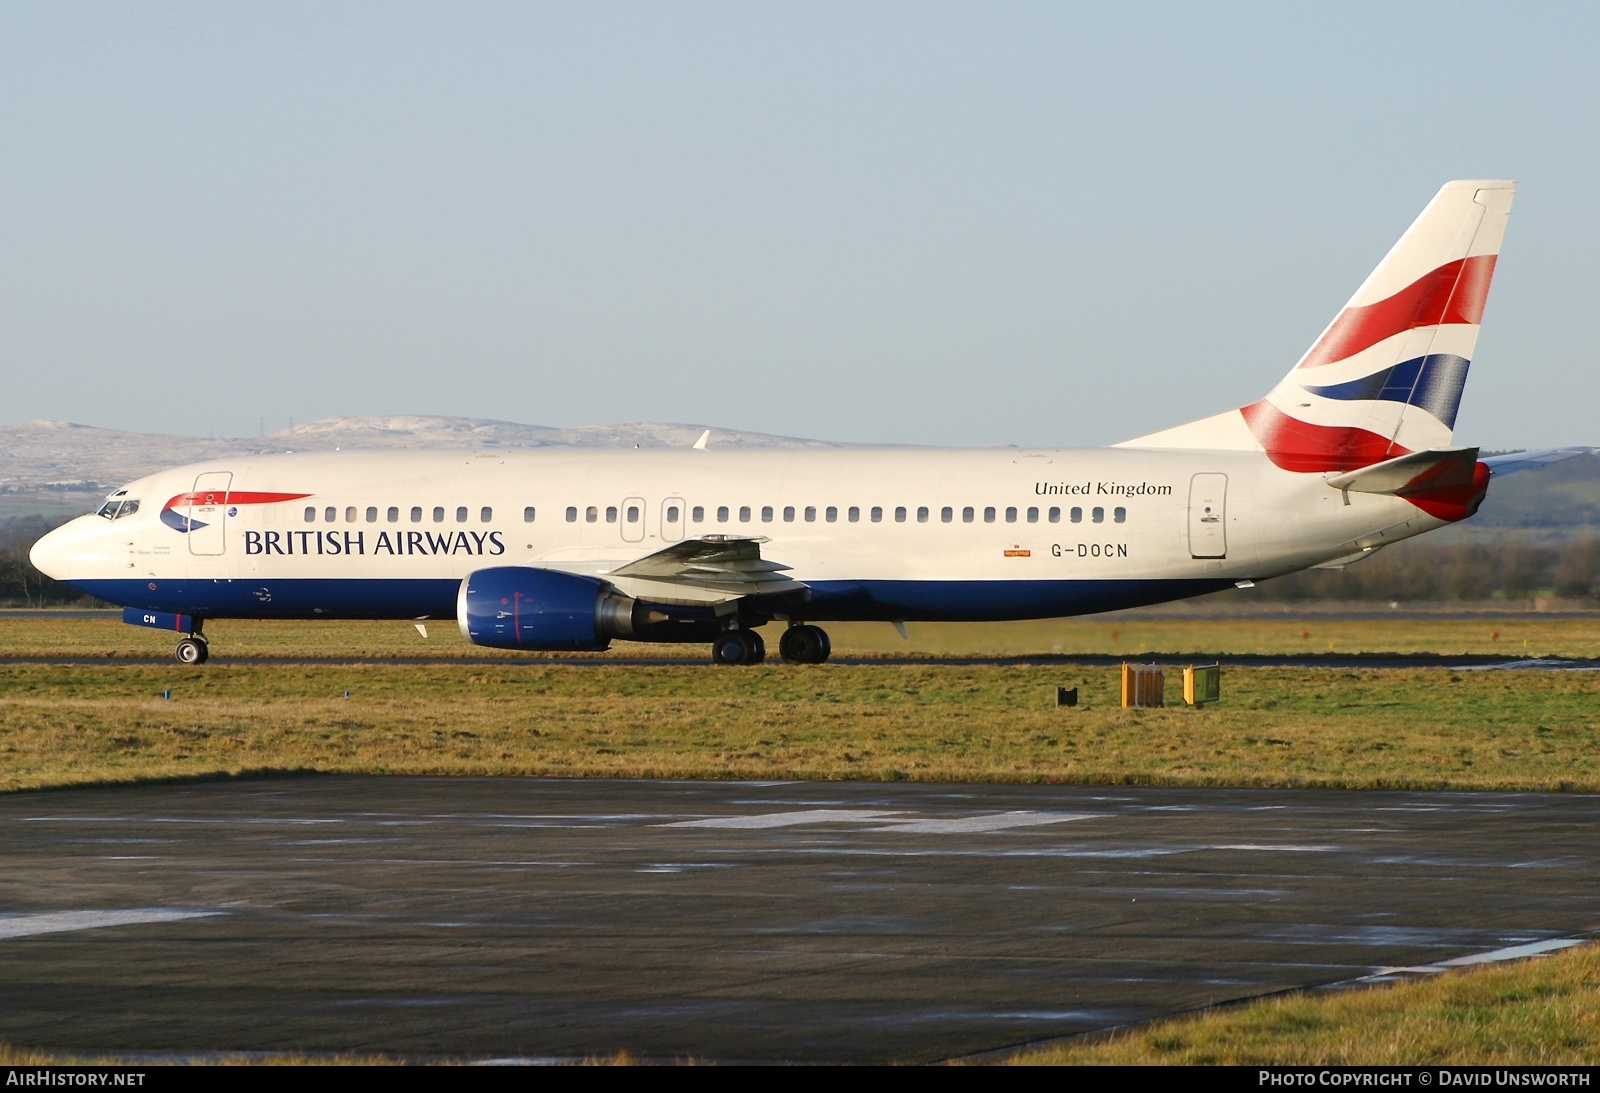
842, 601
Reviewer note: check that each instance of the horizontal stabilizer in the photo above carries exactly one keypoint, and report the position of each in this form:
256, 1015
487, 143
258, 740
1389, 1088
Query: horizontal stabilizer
1512, 462
1438, 468
717, 562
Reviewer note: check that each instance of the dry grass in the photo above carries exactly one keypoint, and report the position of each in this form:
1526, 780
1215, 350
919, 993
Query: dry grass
1533, 1012
1416, 728
1550, 635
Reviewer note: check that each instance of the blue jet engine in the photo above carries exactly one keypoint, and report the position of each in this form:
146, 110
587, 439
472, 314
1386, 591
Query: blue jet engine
516, 607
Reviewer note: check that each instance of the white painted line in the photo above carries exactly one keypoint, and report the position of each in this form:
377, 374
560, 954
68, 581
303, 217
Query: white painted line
1286, 847
56, 922
1493, 956
974, 824
790, 819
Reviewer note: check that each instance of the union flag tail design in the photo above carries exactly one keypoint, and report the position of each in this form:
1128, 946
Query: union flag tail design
1385, 378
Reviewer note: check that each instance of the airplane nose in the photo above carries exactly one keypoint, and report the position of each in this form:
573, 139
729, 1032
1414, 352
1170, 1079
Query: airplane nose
49, 555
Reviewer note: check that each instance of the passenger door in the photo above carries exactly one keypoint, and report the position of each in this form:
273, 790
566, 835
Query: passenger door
1208, 516
208, 513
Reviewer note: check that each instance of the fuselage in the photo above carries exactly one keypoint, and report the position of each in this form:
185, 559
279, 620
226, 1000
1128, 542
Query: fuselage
871, 533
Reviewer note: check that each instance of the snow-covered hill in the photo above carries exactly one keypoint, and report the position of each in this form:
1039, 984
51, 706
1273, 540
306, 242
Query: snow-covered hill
56, 466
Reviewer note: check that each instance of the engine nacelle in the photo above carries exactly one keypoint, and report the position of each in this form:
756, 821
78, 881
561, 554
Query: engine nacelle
517, 607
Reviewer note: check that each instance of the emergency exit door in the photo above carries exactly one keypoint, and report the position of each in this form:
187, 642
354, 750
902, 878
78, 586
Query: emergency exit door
1208, 516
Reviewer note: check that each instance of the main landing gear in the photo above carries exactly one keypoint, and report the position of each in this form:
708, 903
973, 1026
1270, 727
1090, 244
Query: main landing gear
193, 649
800, 644
804, 644
738, 647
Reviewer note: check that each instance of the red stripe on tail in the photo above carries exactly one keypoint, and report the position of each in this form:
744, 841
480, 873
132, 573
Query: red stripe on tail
1453, 293
1297, 445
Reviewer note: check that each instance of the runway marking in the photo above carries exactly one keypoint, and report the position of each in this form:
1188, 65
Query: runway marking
55, 922
895, 821
791, 819
1493, 956
974, 824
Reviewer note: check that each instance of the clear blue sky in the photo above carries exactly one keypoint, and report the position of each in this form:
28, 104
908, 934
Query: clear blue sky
927, 223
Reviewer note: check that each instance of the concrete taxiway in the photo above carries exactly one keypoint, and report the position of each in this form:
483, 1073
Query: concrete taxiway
737, 921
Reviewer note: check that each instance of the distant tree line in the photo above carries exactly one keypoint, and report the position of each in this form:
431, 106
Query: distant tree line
1413, 570
1420, 570
21, 585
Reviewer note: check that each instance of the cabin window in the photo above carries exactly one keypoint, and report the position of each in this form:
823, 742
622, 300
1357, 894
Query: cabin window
988, 515
722, 514
330, 514
461, 514
831, 514
900, 514
633, 514
1033, 515
811, 514
947, 514
1077, 515
527, 515
877, 514
485, 514
1098, 515
611, 514
744, 514
854, 515
788, 514
572, 514
922, 514
1011, 514
766, 514
672, 514
372, 514
1055, 514
1120, 515
698, 514
393, 514
311, 514
416, 514
438, 514
968, 514
350, 514
591, 515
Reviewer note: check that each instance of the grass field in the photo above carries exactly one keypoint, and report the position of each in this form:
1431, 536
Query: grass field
1531, 1012
62, 725
1533, 635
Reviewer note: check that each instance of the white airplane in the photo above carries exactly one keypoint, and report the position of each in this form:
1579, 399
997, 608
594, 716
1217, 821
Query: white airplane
567, 550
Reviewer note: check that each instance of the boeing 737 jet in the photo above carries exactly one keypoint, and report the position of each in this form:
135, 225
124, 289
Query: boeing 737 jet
570, 549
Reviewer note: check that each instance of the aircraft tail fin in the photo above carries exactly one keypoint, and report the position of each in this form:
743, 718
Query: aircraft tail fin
1385, 378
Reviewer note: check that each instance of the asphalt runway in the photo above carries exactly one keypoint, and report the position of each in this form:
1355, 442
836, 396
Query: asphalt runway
736, 921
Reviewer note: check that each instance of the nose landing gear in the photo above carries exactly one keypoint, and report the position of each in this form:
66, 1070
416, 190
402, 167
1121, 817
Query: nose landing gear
192, 650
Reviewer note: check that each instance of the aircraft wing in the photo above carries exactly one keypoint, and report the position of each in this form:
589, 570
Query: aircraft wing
1512, 462
726, 564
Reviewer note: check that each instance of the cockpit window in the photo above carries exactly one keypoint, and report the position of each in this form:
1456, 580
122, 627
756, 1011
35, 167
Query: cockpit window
116, 508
